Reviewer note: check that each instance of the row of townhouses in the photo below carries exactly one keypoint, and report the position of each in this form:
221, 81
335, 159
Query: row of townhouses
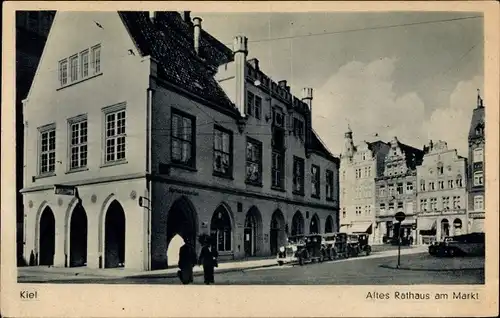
144, 131
440, 192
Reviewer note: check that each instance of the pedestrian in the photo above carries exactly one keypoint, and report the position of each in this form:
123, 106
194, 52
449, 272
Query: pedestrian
187, 260
411, 240
208, 258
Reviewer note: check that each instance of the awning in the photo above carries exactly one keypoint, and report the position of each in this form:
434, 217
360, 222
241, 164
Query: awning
405, 222
343, 227
425, 224
361, 227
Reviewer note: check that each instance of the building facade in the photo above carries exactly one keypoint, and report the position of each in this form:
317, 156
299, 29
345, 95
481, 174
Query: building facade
476, 168
32, 28
359, 166
396, 192
441, 194
148, 131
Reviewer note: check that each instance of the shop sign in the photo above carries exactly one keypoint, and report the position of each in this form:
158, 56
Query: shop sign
60, 189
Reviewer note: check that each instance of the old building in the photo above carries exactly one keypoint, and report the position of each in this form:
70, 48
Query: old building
32, 28
476, 168
396, 191
145, 131
441, 194
359, 166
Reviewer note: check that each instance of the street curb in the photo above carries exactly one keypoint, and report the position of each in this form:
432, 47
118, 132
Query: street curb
431, 269
200, 273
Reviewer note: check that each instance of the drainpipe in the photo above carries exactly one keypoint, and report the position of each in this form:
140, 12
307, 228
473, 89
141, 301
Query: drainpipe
148, 171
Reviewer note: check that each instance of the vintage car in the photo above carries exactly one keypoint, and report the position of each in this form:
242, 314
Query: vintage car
329, 250
363, 243
301, 249
472, 244
353, 248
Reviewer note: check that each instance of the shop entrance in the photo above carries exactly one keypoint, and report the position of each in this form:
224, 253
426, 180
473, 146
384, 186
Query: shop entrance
252, 232
114, 236
78, 237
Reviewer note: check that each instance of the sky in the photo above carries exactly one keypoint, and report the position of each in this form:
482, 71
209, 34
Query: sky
384, 74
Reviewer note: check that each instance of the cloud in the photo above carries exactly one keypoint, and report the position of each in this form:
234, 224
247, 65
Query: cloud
451, 123
362, 95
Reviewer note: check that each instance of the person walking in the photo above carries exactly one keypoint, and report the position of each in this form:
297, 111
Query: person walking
208, 258
187, 260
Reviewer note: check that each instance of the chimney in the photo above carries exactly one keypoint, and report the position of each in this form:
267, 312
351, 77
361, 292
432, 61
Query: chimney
255, 63
240, 51
197, 32
186, 15
307, 96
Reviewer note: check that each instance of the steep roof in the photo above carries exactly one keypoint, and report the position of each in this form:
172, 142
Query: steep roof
414, 156
375, 146
477, 118
318, 146
166, 42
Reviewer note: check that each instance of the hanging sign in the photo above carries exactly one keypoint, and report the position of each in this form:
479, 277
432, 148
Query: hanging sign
60, 189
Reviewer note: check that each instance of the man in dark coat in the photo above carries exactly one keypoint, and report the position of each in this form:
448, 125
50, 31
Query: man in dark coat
208, 258
187, 260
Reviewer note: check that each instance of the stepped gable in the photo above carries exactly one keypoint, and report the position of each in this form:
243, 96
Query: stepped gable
177, 64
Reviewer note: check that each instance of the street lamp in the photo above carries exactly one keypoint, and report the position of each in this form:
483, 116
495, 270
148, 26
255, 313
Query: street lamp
400, 217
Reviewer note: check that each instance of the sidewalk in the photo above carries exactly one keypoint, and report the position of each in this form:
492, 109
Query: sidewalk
44, 273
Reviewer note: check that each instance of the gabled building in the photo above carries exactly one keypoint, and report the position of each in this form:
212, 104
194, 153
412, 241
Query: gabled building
441, 194
144, 131
396, 191
359, 167
476, 168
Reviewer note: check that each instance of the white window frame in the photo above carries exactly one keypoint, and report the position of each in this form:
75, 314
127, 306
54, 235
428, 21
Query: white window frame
47, 130
73, 69
81, 146
478, 178
63, 72
84, 64
478, 202
107, 112
478, 154
96, 59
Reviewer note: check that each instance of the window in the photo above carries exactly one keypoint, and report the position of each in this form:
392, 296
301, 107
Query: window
96, 59
84, 63
254, 161
391, 207
369, 171
47, 150
183, 138
382, 190
459, 181
115, 136
446, 203
478, 178
423, 204
250, 103
422, 185
278, 118
78, 146
363, 156
441, 185
277, 170
478, 155
400, 188
298, 175
431, 186
315, 182
391, 189
63, 72
440, 168
329, 184
343, 213
400, 205
258, 107
223, 152
433, 202
450, 184
478, 202
73, 63
298, 128
358, 210
409, 187
456, 202
382, 207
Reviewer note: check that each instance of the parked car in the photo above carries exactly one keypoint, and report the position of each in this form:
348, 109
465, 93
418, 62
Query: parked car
472, 244
363, 243
334, 245
353, 248
302, 249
